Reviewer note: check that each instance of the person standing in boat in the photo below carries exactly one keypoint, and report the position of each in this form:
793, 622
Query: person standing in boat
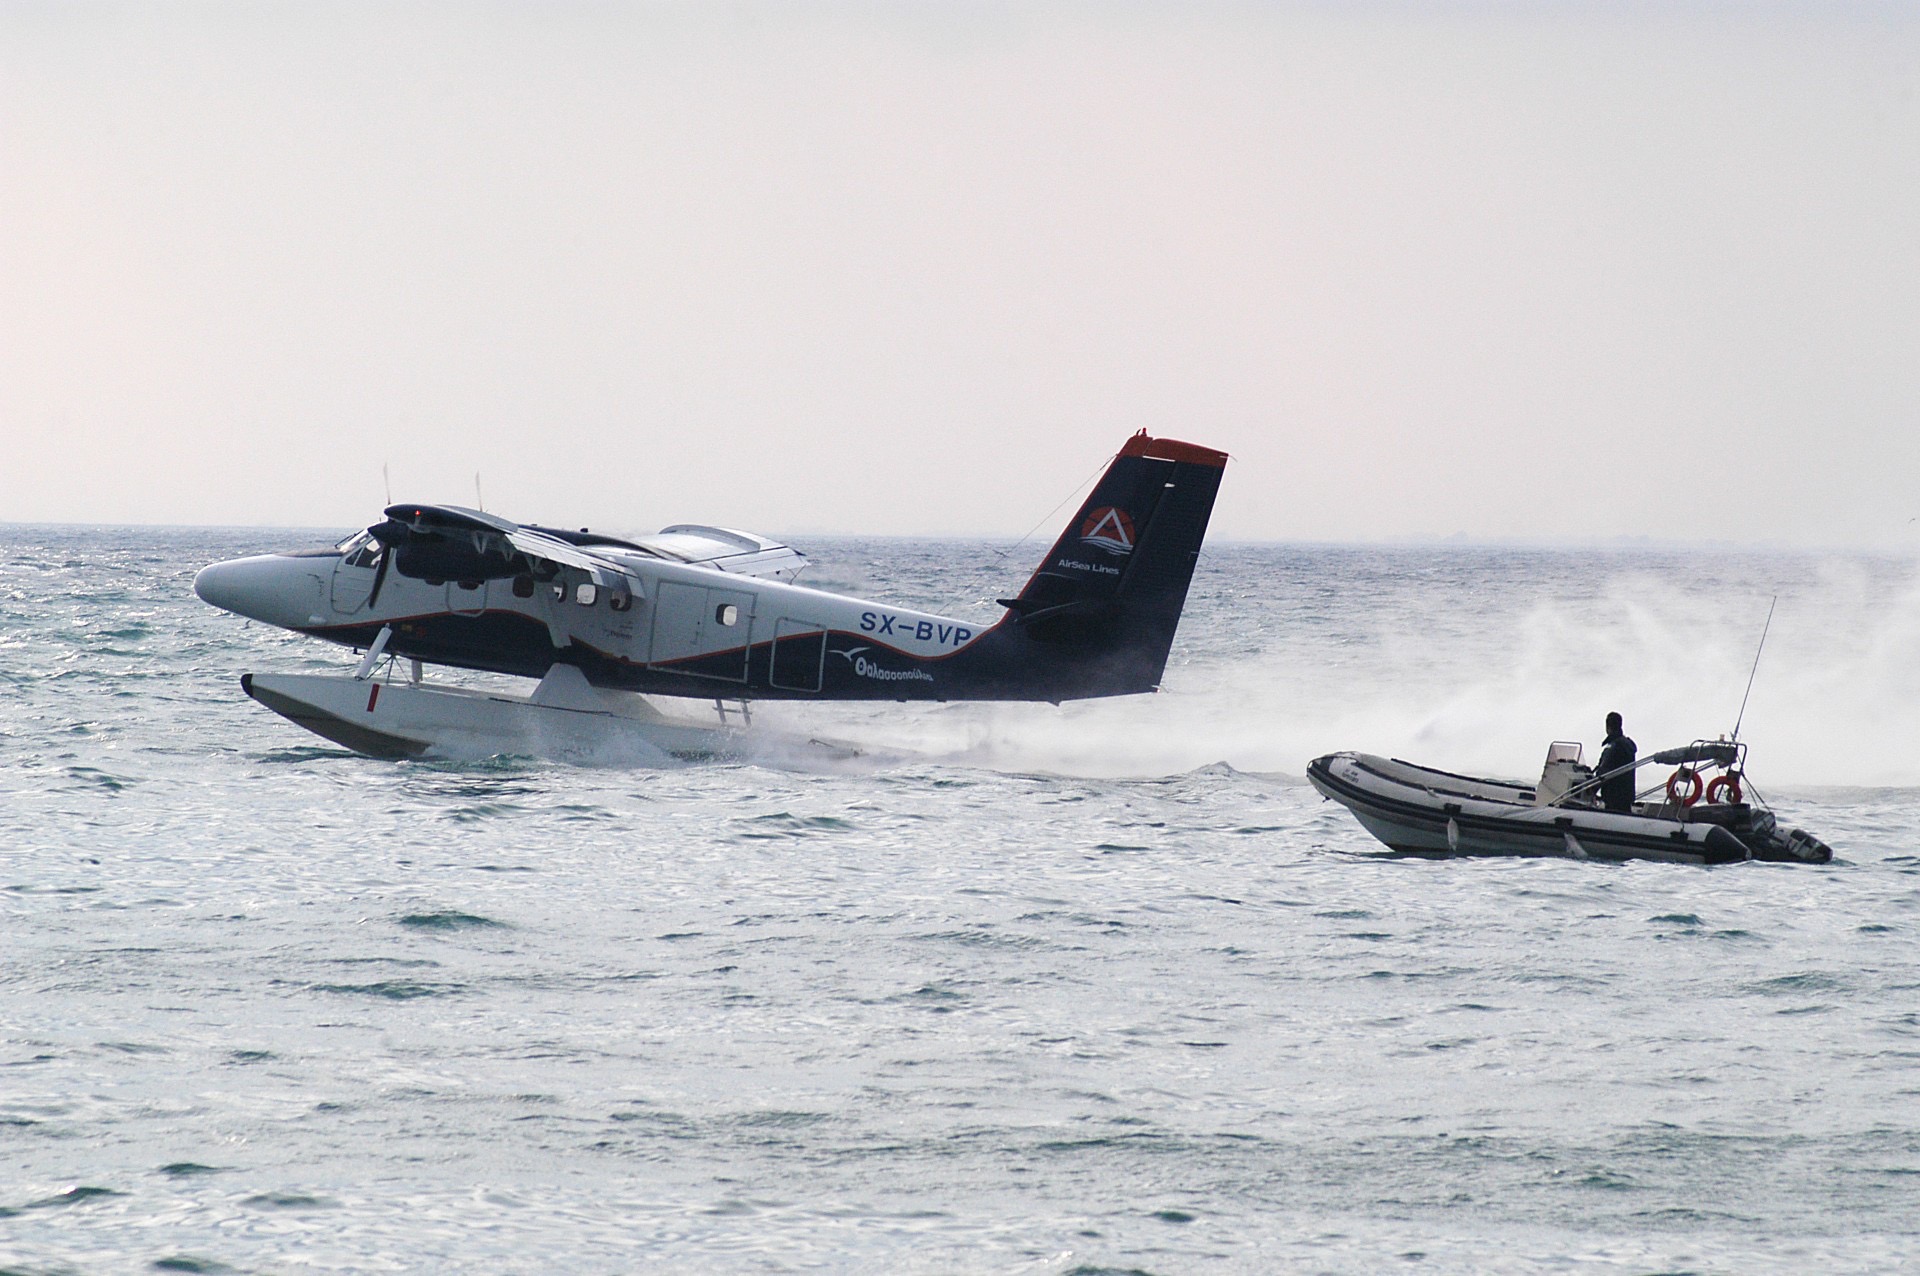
1616, 753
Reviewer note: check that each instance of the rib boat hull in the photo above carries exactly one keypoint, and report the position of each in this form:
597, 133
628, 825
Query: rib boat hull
1420, 811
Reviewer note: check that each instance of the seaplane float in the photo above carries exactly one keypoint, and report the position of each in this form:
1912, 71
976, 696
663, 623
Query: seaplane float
699, 613
1695, 816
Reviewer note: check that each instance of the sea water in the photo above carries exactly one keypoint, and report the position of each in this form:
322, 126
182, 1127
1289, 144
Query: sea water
1096, 988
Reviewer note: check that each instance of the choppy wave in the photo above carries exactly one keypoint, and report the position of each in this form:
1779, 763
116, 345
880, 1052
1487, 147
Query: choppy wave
1101, 988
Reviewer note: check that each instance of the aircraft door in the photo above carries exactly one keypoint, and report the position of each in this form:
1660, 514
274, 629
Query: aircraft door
799, 653
702, 631
676, 622
353, 575
727, 625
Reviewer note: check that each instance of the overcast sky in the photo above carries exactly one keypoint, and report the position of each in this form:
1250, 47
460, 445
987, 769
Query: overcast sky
1539, 271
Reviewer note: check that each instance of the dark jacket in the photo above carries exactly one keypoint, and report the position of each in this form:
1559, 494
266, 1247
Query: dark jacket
1616, 794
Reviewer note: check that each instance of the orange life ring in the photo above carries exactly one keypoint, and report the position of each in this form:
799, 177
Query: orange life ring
1727, 784
1691, 779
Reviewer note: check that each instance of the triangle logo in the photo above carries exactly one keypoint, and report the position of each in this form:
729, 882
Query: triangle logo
1110, 529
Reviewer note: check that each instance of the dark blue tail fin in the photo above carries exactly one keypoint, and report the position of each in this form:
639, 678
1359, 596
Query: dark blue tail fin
1101, 610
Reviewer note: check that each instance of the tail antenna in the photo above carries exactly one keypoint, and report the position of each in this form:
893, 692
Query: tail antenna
1049, 515
387, 481
1756, 668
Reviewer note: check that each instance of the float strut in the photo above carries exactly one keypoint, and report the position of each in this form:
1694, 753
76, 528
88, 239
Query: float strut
373, 653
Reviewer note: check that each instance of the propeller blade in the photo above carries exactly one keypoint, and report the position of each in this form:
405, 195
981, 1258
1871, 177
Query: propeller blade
380, 575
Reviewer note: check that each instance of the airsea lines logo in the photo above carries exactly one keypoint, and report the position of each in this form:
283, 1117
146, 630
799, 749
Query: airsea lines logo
1110, 529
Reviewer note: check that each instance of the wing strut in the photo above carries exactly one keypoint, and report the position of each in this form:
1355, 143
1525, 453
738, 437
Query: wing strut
374, 653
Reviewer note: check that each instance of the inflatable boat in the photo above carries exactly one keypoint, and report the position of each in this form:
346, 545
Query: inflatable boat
1695, 817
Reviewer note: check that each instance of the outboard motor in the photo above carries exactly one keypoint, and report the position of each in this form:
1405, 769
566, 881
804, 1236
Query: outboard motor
1807, 848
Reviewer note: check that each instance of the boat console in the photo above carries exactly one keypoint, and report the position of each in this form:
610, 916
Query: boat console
1563, 772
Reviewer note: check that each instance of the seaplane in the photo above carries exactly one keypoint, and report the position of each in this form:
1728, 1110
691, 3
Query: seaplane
607, 623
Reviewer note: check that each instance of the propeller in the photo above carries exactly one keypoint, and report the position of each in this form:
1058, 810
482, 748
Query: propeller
379, 575
434, 549
391, 534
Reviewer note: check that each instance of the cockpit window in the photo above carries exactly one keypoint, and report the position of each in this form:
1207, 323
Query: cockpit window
360, 550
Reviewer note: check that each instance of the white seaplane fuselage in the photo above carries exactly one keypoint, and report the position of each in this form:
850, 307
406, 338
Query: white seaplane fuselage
702, 613
693, 624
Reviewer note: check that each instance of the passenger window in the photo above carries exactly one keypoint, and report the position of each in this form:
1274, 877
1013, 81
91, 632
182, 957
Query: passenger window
727, 614
620, 602
559, 592
585, 593
523, 586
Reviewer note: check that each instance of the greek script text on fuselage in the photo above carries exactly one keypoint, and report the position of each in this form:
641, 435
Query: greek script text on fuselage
867, 669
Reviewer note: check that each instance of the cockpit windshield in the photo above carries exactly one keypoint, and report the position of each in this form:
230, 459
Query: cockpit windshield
360, 550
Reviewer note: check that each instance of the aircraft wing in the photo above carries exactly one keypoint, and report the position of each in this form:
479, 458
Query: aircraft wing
724, 549
441, 535
605, 571
446, 518
445, 535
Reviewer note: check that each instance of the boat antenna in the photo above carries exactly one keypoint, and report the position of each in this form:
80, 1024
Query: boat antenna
1756, 668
